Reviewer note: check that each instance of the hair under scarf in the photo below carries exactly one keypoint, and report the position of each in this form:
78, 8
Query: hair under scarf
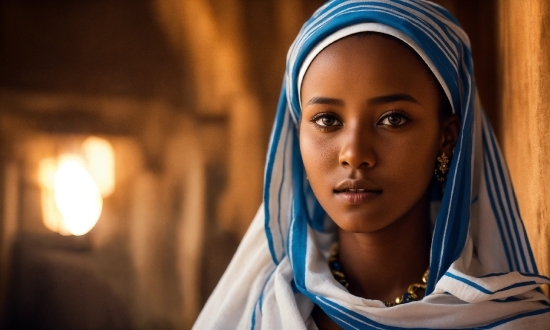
482, 270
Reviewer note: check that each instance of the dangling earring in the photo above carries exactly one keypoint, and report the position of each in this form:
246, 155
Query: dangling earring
442, 168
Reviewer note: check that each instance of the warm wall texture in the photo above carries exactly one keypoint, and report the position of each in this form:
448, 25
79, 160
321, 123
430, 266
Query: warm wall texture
524, 54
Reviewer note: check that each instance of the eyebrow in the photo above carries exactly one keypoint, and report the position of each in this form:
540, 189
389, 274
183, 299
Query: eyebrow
392, 98
374, 101
325, 100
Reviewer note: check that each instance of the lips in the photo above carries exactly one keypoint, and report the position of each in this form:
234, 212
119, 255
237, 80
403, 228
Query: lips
355, 192
356, 186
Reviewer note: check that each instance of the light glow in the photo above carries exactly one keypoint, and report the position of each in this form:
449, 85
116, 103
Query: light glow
73, 186
77, 196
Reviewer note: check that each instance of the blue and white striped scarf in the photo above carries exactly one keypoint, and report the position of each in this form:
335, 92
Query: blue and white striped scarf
482, 270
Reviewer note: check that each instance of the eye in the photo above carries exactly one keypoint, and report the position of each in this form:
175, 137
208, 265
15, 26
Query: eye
326, 120
393, 119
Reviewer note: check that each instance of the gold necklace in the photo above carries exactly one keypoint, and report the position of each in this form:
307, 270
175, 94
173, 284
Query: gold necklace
336, 270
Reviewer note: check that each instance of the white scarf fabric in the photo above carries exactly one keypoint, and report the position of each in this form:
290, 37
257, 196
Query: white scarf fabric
482, 271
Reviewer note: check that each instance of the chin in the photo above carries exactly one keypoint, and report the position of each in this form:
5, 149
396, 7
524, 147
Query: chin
361, 224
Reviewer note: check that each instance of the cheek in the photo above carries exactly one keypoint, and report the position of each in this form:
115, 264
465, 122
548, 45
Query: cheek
413, 162
309, 145
318, 156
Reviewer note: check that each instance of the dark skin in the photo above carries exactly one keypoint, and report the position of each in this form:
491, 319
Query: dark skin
370, 134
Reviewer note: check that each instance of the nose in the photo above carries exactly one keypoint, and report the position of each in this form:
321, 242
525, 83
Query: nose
357, 148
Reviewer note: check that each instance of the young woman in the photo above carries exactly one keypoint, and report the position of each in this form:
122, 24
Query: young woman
387, 203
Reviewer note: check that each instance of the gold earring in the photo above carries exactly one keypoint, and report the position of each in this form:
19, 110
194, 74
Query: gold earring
442, 167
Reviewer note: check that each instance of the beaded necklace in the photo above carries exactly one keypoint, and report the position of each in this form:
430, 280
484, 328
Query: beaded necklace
336, 269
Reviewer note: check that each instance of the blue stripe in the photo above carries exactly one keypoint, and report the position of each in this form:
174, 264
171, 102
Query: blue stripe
272, 154
528, 247
428, 28
318, 217
253, 320
259, 302
470, 283
492, 194
446, 14
289, 241
486, 291
498, 221
299, 223
542, 277
509, 204
517, 285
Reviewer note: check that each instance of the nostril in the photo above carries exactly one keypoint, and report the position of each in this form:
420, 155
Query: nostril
356, 153
355, 165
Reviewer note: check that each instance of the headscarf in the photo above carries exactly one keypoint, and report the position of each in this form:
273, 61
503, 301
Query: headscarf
482, 270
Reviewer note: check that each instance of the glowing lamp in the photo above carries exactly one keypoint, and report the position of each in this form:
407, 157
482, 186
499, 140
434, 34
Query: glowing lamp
77, 196
73, 187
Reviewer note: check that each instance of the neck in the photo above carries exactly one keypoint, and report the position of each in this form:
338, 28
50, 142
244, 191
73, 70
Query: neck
382, 264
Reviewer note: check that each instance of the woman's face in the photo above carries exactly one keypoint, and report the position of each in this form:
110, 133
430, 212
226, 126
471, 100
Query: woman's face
370, 132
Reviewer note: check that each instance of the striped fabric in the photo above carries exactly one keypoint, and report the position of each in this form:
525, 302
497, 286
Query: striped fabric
482, 271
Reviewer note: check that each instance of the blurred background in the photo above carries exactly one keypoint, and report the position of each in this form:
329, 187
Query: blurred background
133, 136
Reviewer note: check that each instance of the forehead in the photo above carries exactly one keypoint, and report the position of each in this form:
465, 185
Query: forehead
382, 64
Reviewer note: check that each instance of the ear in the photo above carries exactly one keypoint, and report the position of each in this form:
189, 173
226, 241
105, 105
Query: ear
450, 131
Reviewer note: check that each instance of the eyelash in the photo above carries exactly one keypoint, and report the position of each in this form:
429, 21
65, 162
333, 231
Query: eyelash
338, 122
325, 115
399, 114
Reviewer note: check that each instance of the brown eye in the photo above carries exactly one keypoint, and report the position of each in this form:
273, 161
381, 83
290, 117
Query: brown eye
394, 120
326, 120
